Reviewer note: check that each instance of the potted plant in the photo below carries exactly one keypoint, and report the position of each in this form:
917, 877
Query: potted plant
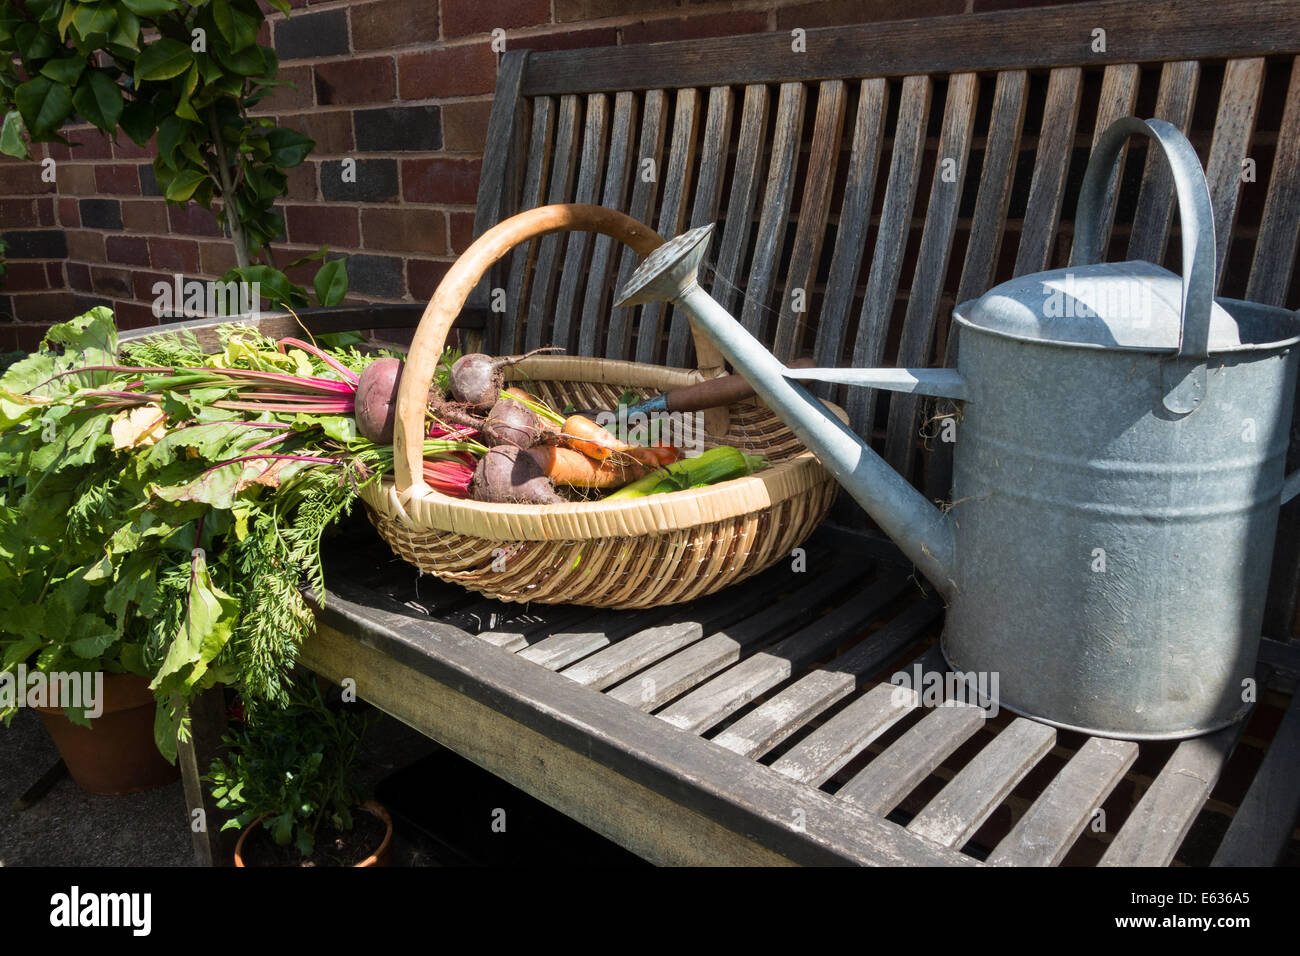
183, 76
288, 778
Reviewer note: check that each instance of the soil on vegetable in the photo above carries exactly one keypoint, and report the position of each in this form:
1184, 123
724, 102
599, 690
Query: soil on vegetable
333, 847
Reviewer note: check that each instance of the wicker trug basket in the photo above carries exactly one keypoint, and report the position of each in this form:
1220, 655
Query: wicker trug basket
636, 553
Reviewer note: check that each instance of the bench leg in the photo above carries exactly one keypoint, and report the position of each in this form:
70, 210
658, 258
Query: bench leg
212, 846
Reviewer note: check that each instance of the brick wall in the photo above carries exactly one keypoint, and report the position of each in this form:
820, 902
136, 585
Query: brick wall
401, 87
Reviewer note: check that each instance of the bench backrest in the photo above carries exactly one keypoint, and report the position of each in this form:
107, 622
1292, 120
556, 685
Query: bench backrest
866, 179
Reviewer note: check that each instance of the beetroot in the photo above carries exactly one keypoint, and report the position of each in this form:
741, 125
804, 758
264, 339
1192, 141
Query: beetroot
511, 422
476, 379
509, 475
376, 402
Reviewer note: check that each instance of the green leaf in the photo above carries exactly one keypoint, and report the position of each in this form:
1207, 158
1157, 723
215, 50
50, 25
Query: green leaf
172, 132
183, 185
127, 34
250, 61
44, 105
94, 21
163, 59
332, 282
238, 28
34, 43
281, 5
65, 70
11, 136
151, 8
210, 619
288, 147
99, 100
137, 121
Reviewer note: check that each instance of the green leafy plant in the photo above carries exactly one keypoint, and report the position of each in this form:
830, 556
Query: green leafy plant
185, 72
160, 508
293, 766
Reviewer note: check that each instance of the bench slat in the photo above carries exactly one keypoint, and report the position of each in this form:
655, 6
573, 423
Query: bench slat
883, 784
676, 674
514, 633
815, 759
744, 193
577, 245
773, 721
932, 263
1279, 226
708, 198
564, 168
654, 121
1155, 829
710, 703
775, 211
851, 229
672, 213
891, 238
814, 208
618, 174
970, 797
998, 172
1263, 823
564, 646
1051, 166
1243, 83
1118, 98
1153, 216
535, 174
1049, 828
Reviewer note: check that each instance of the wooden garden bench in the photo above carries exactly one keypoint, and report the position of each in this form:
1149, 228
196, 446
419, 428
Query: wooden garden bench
886, 173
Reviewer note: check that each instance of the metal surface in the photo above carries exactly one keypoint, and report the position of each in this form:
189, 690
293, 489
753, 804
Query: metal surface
1114, 504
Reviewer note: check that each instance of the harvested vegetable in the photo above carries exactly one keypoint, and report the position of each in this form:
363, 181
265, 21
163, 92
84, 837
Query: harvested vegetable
477, 379
717, 464
507, 474
564, 466
376, 401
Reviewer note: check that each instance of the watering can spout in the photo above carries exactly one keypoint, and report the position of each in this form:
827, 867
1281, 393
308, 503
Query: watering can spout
923, 532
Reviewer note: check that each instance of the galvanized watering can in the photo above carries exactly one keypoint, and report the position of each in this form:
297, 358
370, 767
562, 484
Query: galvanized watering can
1116, 478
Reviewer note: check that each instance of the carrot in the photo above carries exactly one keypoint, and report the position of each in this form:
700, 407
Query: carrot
565, 466
586, 436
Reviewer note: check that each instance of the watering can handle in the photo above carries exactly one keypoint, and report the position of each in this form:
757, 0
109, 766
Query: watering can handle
1184, 374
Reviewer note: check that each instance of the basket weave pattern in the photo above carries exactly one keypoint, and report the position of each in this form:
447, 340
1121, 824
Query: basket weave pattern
629, 569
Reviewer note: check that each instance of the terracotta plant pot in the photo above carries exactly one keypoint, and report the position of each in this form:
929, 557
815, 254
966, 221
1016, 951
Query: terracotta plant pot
380, 857
116, 754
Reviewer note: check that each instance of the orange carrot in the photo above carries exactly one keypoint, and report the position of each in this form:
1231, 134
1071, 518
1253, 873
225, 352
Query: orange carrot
565, 466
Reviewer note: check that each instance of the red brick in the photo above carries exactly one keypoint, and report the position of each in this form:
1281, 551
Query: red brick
111, 282
54, 276
368, 81
28, 337
440, 180
89, 143
331, 130
79, 277
216, 258
335, 226
680, 28
25, 276
128, 250
124, 148
17, 213
462, 231
174, 255
483, 16
384, 24
192, 220
301, 95
454, 71
144, 282
69, 213
134, 315
565, 40
567, 10
834, 13
76, 179
117, 179
23, 179
145, 215
86, 245
404, 230
464, 125
423, 276
301, 184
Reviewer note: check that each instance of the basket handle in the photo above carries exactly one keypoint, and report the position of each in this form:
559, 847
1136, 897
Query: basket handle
450, 296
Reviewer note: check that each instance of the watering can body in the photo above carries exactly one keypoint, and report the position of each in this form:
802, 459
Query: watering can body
1117, 474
